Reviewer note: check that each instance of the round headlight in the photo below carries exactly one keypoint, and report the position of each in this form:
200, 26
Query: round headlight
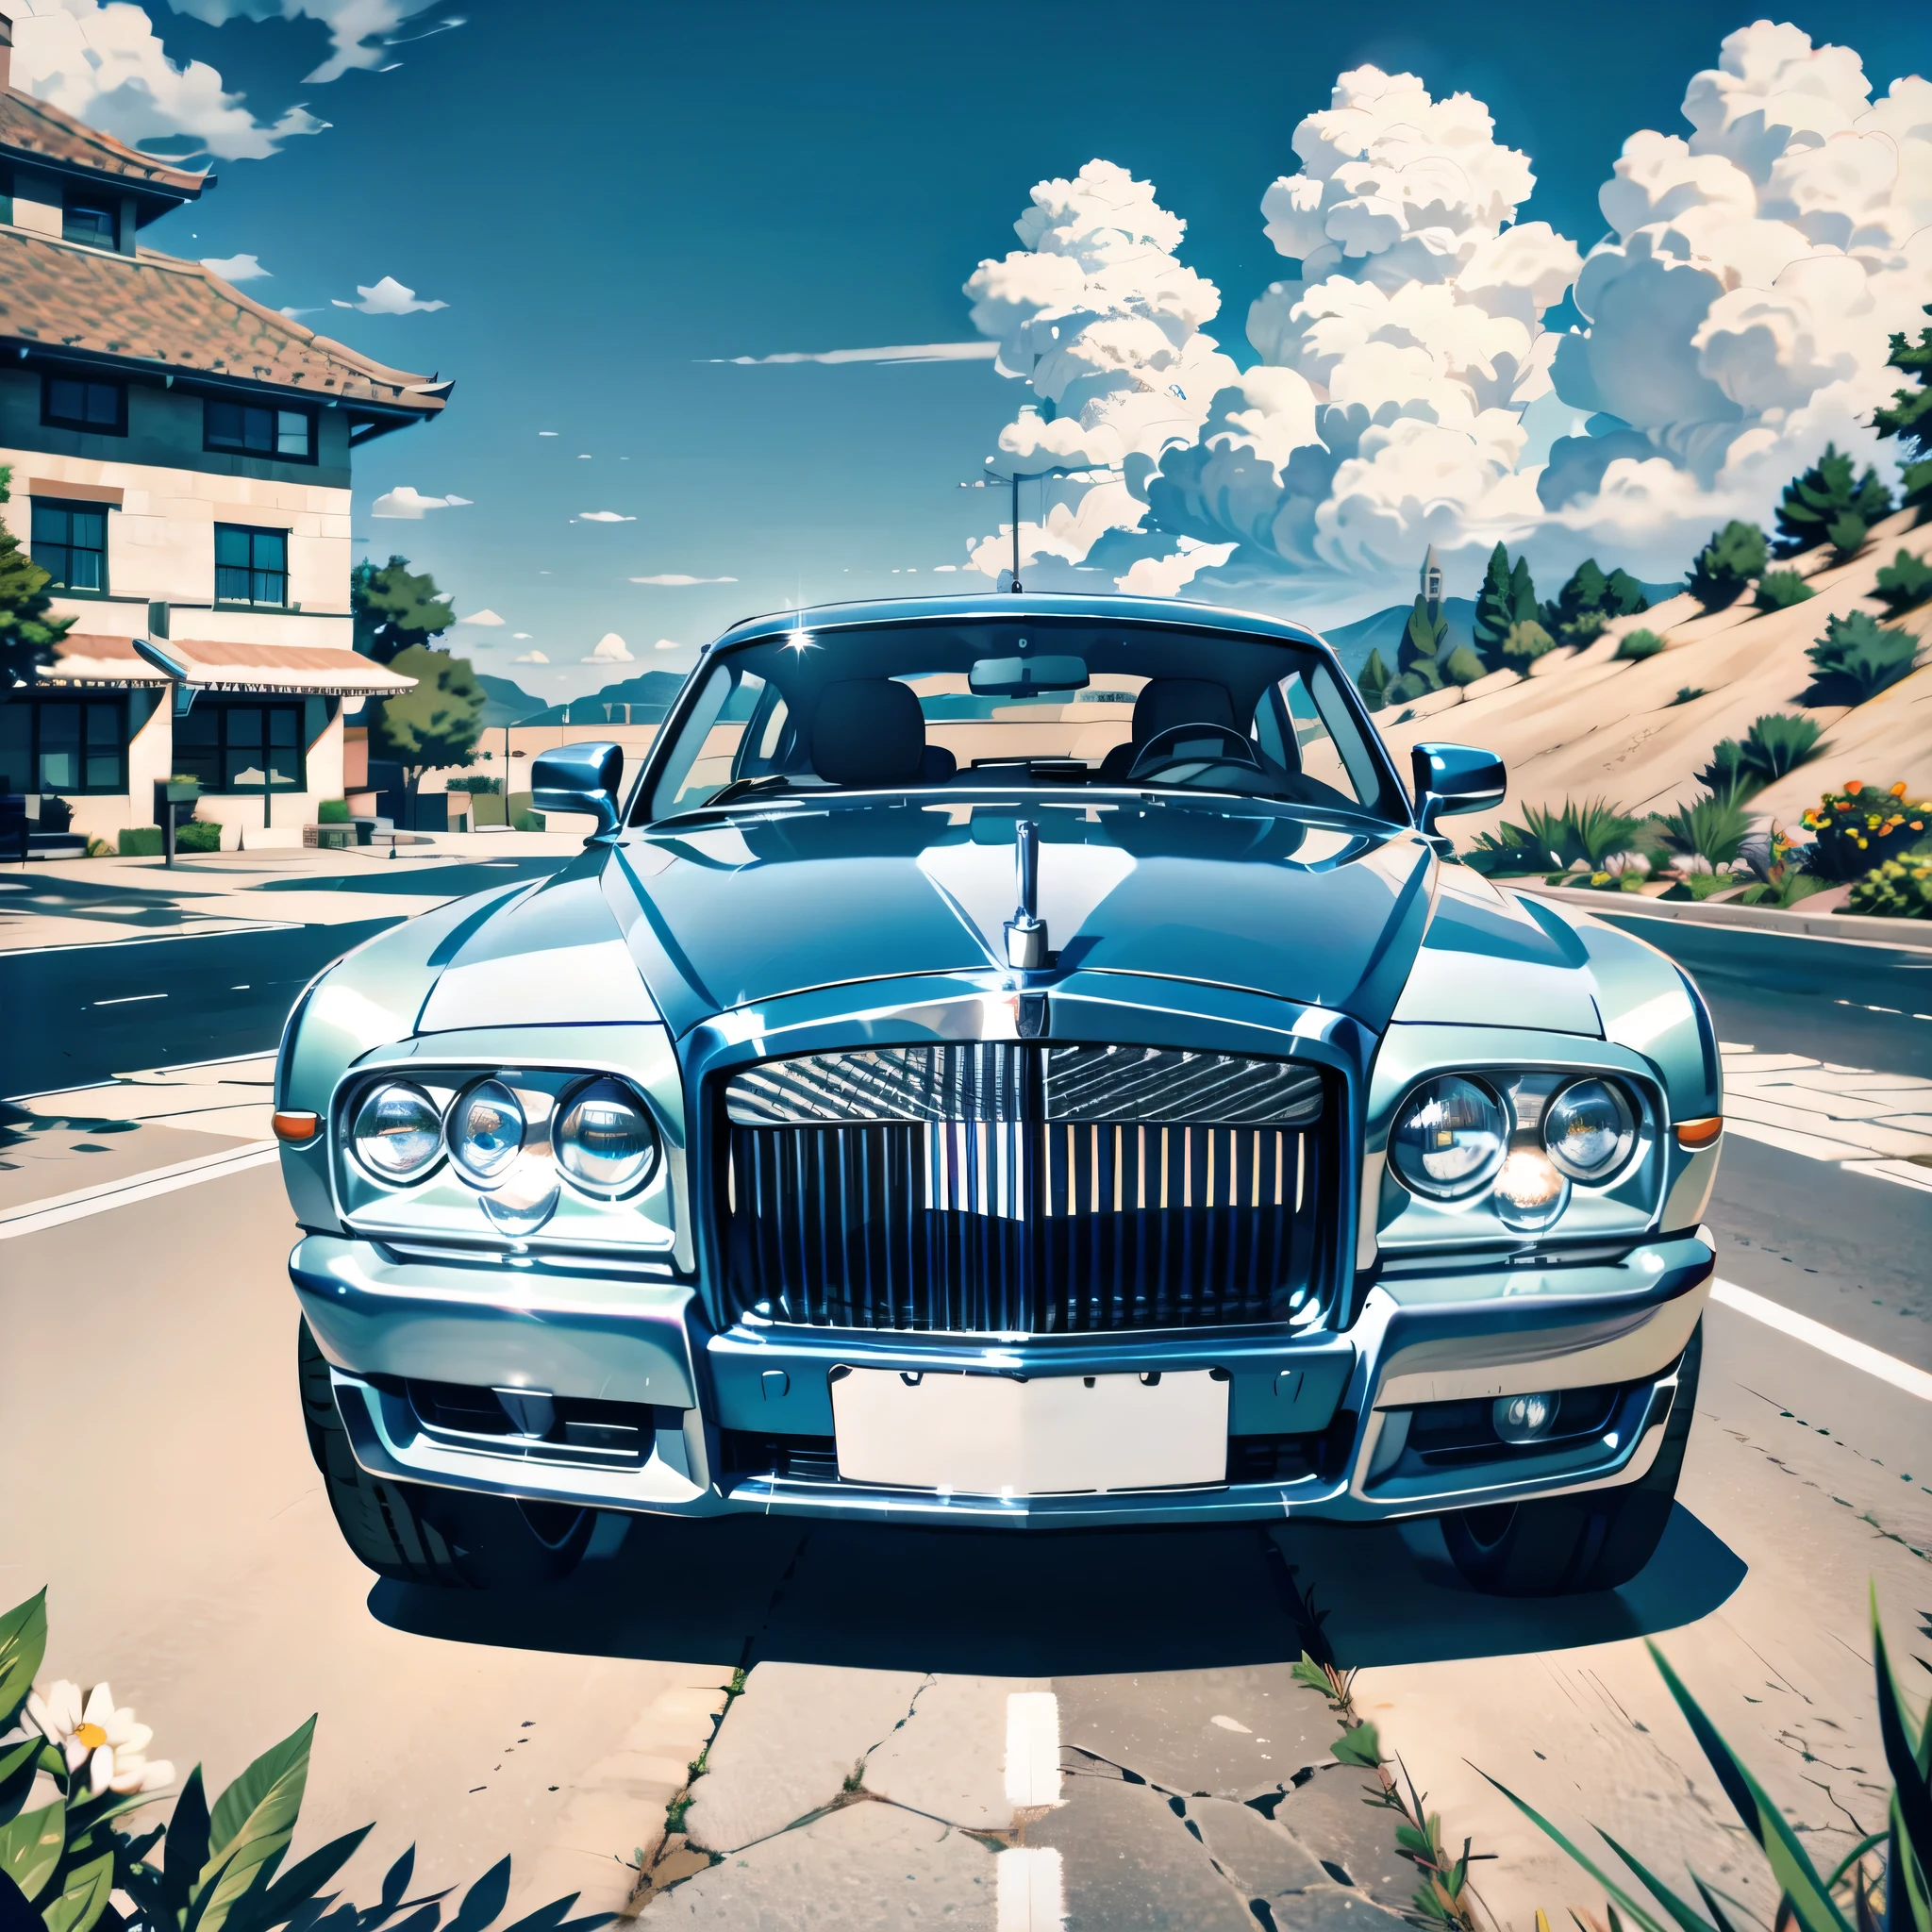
485, 1130
1588, 1130
398, 1133
605, 1138
1449, 1138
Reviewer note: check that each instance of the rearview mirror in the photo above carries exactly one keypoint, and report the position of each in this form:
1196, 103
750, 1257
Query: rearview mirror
1455, 778
580, 778
1021, 677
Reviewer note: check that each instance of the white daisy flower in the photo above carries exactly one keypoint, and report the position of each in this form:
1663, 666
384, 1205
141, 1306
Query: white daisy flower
91, 1731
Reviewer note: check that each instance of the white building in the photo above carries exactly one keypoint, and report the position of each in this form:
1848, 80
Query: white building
180, 461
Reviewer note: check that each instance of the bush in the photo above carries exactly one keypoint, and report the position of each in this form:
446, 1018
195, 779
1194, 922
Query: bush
1826, 504
1526, 641
1463, 666
1711, 829
475, 784
1776, 743
1859, 828
1636, 645
224, 1869
1575, 835
1687, 694
1778, 589
1857, 658
138, 842
1733, 557
529, 821
1899, 888
198, 835
1903, 583
332, 812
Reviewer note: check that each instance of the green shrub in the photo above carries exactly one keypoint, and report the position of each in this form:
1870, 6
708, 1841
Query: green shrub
1573, 835
1713, 828
1636, 645
1523, 643
1827, 504
1699, 885
475, 784
1899, 888
1857, 658
1725, 775
1778, 589
1859, 828
1776, 743
1687, 694
1905, 583
1463, 666
138, 842
1373, 681
332, 812
198, 835
529, 821
1733, 557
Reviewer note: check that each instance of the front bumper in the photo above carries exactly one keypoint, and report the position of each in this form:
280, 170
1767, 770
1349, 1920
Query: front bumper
710, 1415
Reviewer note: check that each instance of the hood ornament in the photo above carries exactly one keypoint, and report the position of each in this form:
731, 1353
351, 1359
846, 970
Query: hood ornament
1026, 930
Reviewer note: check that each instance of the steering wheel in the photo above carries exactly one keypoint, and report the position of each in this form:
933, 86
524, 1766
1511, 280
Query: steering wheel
1185, 752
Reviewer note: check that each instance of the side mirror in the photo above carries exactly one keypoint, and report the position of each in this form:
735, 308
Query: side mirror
1455, 778
580, 778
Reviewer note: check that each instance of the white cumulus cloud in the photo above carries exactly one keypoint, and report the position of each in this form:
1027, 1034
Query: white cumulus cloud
387, 297
483, 617
235, 268
359, 30
406, 501
603, 516
103, 61
531, 658
1735, 320
667, 645
678, 577
610, 649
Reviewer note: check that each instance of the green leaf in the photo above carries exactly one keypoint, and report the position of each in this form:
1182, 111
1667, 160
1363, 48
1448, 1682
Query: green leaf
31, 1844
17, 1776
1852, 1857
1358, 1744
23, 1644
298, 1884
1311, 1673
1811, 1901
251, 1824
187, 1846
1912, 1790
1643, 1917
83, 1898
486, 1898
1686, 1915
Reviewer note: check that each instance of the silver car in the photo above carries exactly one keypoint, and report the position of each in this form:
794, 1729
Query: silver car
1021, 1062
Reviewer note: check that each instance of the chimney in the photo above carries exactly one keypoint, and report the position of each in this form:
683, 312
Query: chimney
6, 51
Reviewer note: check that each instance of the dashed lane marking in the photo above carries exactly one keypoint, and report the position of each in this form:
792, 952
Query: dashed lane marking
1033, 1749
1032, 1894
1859, 1354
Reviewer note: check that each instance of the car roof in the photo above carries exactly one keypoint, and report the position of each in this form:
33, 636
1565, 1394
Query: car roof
978, 607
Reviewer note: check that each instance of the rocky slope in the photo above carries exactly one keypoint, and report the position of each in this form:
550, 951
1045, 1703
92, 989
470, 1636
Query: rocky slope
1584, 725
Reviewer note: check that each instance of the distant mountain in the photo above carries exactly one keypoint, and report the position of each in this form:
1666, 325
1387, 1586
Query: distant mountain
507, 703
1383, 632
640, 700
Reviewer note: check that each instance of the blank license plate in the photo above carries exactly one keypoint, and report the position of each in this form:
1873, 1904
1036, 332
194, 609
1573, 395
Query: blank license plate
1054, 1435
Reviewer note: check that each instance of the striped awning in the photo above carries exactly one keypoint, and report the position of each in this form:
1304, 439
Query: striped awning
312, 670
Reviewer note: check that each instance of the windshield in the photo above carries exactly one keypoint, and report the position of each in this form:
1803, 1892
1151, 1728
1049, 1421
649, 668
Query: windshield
1026, 700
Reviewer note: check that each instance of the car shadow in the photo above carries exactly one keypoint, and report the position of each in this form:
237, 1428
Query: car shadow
1049, 1605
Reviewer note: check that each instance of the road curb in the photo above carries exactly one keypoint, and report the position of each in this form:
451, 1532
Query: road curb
1848, 928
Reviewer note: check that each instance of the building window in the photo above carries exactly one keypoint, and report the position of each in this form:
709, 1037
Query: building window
241, 748
69, 542
251, 566
88, 219
241, 429
69, 402
63, 744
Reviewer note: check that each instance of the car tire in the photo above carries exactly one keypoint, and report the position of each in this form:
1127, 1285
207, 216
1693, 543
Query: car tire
1566, 1546
452, 1538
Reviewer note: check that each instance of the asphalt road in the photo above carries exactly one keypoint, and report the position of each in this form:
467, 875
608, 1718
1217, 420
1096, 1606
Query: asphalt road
193, 1559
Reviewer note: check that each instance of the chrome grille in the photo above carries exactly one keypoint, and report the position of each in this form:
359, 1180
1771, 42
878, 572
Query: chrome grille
995, 1188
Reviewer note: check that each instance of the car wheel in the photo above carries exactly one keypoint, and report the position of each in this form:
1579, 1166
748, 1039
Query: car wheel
415, 1534
1564, 1545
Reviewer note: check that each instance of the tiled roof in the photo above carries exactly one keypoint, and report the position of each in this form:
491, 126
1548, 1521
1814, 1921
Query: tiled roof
154, 308
314, 668
37, 129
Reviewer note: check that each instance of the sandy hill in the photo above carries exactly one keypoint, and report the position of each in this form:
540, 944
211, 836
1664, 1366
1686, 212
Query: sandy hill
1584, 725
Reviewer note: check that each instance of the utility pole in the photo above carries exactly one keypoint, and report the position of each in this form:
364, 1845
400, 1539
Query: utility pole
1060, 472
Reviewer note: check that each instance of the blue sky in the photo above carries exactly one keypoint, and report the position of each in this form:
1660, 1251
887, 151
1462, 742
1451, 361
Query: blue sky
606, 195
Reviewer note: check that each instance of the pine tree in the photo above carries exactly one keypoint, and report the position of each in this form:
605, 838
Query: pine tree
1587, 602
1495, 607
1909, 418
1733, 557
1826, 504
1625, 594
27, 634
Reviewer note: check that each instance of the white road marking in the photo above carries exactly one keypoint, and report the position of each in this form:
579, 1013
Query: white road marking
60, 1208
1827, 1340
1032, 1896
1033, 1750
128, 999
1233, 1723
